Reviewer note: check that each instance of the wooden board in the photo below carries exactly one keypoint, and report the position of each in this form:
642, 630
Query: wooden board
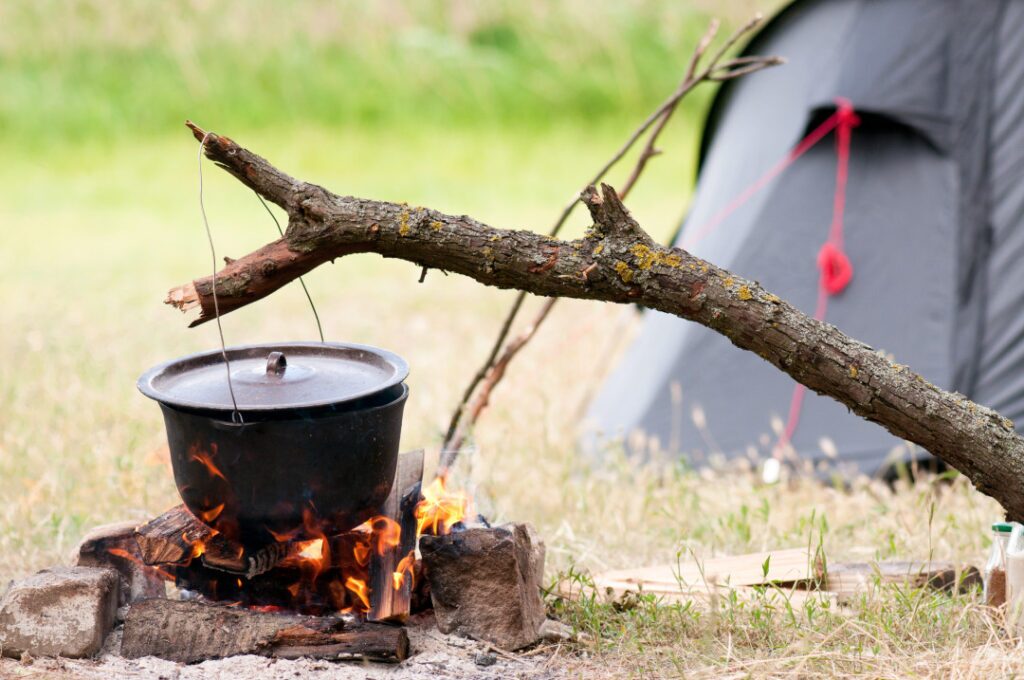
795, 575
775, 595
793, 565
788, 572
851, 578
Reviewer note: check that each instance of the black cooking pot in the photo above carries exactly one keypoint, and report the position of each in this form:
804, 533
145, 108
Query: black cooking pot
312, 446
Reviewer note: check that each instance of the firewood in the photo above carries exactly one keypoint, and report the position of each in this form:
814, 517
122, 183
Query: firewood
224, 556
190, 632
485, 583
114, 545
169, 538
172, 538
388, 603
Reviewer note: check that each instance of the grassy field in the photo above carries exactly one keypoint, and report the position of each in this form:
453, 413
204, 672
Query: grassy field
499, 110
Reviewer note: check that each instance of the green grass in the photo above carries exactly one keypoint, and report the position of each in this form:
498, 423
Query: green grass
91, 70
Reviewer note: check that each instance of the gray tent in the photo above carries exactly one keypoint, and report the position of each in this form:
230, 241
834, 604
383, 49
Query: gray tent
934, 228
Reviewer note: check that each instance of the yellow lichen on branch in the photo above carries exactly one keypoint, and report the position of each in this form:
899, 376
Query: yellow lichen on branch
647, 257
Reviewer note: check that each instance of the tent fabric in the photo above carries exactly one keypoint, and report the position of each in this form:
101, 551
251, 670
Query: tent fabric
1000, 382
935, 198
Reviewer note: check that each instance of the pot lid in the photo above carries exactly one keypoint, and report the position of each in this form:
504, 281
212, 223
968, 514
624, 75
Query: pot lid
275, 376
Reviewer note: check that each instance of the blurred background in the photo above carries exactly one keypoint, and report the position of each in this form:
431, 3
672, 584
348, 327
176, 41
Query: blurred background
500, 110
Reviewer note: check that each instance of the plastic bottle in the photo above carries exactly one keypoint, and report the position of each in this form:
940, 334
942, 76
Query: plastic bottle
995, 568
1015, 578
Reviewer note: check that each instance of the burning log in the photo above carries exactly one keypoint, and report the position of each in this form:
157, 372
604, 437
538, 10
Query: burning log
177, 536
392, 571
189, 632
172, 537
114, 546
222, 556
485, 583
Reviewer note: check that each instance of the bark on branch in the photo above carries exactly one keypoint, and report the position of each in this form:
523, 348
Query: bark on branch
616, 261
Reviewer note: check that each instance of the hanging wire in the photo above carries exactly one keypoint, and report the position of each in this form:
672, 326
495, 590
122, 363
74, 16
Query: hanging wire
236, 415
309, 297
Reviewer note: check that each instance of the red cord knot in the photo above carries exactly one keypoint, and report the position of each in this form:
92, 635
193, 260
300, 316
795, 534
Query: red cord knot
835, 267
845, 115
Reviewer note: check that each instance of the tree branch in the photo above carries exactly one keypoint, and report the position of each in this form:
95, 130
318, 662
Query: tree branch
621, 265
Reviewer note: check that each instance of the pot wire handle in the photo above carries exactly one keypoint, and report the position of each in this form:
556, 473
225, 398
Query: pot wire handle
236, 415
319, 328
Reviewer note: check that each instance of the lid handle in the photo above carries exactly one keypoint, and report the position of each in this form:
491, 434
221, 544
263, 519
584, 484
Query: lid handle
276, 364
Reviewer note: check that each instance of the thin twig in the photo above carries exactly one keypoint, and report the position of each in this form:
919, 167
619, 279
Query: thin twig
513, 312
493, 370
494, 376
468, 394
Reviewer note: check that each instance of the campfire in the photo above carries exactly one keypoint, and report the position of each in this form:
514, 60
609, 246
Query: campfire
303, 532
368, 572
308, 591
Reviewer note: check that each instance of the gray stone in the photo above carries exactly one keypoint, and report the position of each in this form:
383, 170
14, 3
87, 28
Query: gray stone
485, 660
64, 611
114, 546
485, 583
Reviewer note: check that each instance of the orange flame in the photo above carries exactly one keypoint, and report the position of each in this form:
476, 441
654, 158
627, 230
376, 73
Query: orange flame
211, 514
206, 461
404, 567
387, 533
312, 550
439, 509
312, 555
358, 587
124, 554
198, 547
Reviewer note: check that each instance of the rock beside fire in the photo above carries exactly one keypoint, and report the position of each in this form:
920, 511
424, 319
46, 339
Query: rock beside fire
485, 583
64, 611
114, 546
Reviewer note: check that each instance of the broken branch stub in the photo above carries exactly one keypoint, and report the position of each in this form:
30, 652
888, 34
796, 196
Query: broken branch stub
621, 268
